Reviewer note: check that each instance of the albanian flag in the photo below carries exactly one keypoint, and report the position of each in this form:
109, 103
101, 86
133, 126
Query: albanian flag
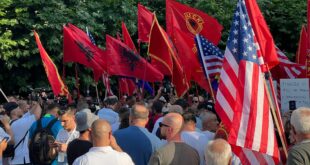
191, 21
124, 62
79, 48
58, 86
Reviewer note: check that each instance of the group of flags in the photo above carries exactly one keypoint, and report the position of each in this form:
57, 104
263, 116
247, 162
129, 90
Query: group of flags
187, 52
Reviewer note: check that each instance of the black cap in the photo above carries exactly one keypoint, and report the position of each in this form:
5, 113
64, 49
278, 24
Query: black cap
10, 106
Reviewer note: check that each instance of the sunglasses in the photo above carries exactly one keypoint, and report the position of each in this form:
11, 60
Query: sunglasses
163, 125
194, 101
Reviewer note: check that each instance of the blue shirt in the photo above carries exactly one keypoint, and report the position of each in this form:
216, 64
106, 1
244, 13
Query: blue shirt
45, 120
138, 142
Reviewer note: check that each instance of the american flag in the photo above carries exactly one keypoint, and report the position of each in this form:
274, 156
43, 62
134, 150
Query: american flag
292, 70
211, 56
105, 76
241, 99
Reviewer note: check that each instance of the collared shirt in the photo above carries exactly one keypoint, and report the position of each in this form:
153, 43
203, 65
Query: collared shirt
103, 155
19, 128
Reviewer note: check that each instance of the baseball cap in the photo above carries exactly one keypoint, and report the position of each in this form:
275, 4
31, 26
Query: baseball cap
84, 120
10, 106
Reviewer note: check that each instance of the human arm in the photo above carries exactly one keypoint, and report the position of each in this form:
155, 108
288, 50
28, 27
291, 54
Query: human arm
114, 144
7, 127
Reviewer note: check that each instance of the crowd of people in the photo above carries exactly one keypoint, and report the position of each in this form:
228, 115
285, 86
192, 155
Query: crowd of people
155, 131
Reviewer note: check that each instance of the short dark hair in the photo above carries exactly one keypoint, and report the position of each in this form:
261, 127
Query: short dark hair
157, 106
181, 102
189, 116
52, 106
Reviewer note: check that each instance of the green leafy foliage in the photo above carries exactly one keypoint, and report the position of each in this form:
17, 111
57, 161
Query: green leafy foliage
20, 62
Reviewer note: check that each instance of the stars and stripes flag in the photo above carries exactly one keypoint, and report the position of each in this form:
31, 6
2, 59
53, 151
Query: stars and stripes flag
210, 56
292, 70
105, 76
241, 99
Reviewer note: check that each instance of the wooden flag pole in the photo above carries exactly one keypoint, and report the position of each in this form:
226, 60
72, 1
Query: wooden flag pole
6, 98
276, 120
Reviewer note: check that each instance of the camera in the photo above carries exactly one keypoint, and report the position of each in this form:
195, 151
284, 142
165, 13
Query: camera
166, 87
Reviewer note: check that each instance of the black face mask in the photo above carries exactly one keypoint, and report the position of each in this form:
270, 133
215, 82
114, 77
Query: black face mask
159, 135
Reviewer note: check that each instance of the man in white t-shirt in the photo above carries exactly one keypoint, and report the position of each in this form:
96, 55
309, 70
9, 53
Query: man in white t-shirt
66, 135
209, 124
105, 150
193, 138
20, 129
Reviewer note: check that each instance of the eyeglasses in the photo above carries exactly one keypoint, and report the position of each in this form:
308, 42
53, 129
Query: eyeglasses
163, 125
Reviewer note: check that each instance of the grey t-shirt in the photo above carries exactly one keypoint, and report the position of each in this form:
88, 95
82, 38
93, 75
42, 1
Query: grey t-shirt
299, 154
175, 153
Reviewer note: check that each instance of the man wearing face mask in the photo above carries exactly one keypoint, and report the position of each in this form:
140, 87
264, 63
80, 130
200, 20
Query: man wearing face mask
176, 152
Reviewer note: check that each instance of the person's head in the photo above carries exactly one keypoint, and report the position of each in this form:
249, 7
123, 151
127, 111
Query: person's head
139, 115
157, 106
189, 121
101, 133
53, 109
209, 121
218, 152
84, 119
111, 101
12, 110
23, 105
300, 121
176, 109
81, 104
171, 126
68, 120
130, 100
183, 103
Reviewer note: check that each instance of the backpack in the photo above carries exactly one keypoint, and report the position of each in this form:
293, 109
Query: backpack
40, 149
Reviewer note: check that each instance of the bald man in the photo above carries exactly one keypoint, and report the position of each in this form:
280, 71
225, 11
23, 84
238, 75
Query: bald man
176, 152
136, 140
218, 152
105, 150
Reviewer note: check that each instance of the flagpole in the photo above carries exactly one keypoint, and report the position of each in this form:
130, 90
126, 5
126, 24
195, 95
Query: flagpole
97, 93
206, 69
275, 112
4, 95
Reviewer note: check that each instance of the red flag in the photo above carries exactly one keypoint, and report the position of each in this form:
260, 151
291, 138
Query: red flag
127, 39
79, 48
165, 58
302, 47
126, 86
145, 19
191, 21
58, 86
187, 52
262, 34
124, 62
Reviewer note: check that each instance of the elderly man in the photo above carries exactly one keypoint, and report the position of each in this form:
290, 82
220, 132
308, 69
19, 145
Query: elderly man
136, 140
105, 150
300, 152
218, 152
175, 152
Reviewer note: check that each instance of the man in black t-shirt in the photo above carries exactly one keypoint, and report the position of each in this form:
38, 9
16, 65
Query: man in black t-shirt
80, 146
